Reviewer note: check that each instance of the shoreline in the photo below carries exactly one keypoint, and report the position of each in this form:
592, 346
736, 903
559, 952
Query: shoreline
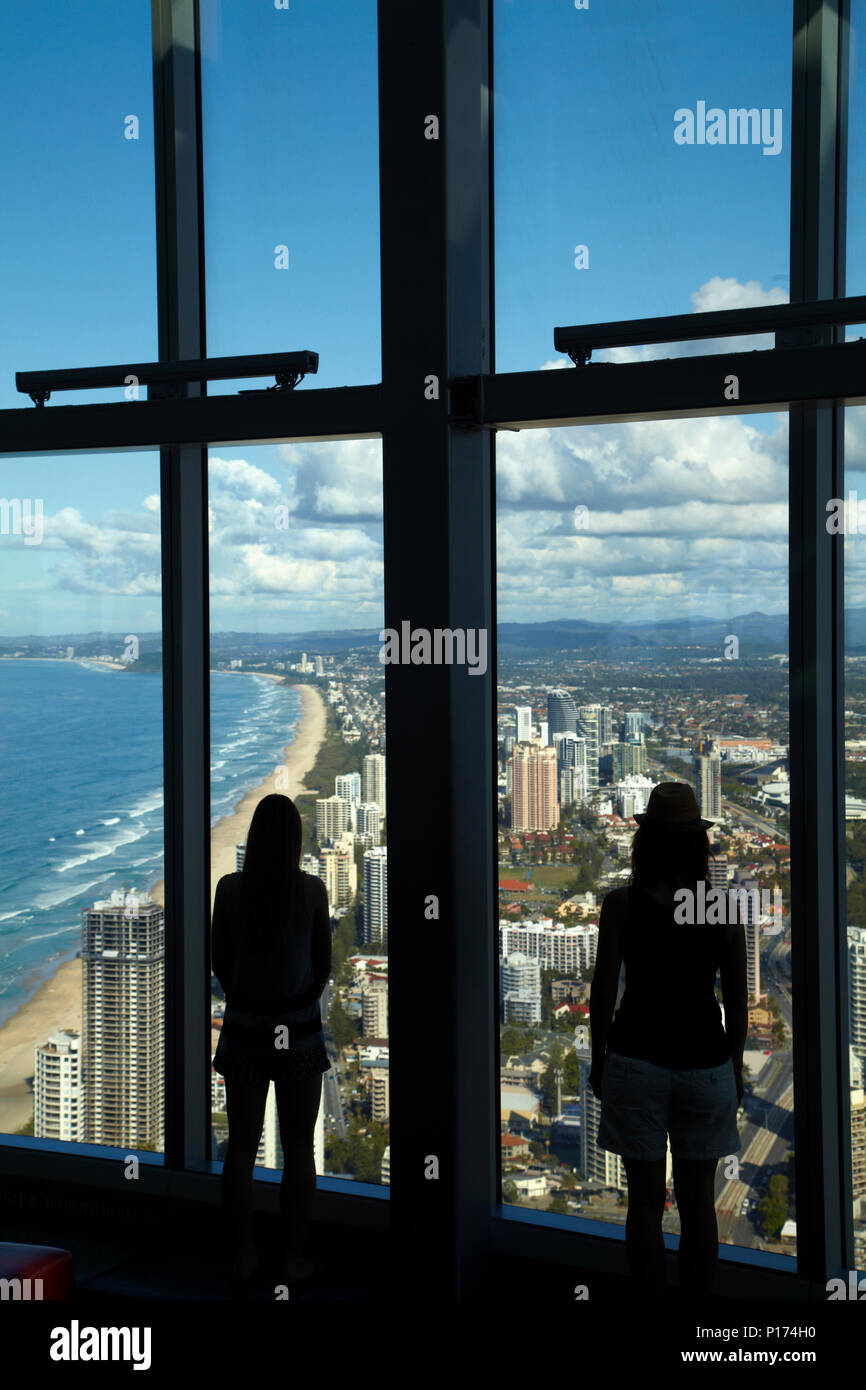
57, 1003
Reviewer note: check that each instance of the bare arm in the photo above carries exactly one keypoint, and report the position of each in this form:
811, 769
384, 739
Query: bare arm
735, 992
605, 978
220, 957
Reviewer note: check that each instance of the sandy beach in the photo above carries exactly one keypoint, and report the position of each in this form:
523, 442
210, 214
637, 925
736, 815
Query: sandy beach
57, 1003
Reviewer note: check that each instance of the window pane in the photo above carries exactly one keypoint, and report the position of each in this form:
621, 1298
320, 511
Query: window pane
77, 236
82, 954
642, 167
853, 523
855, 240
297, 709
291, 184
643, 611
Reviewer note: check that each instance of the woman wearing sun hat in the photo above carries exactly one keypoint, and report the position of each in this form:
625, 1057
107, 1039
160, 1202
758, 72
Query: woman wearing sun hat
665, 1065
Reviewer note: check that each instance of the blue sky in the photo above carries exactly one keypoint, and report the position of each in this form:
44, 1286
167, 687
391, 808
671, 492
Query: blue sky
688, 516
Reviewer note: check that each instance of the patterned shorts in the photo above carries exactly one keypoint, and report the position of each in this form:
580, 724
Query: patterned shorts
252, 1056
297, 1066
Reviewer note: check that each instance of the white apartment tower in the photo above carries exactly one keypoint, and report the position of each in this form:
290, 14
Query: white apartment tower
373, 780
376, 894
58, 1109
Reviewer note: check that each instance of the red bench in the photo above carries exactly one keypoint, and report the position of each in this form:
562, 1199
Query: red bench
35, 1272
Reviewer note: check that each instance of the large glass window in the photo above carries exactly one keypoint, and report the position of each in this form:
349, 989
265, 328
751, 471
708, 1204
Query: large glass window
847, 521
298, 708
291, 184
82, 935
77, 236
642, 167
643, 637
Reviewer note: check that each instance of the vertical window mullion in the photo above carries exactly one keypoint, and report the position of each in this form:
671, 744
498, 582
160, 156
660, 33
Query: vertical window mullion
180, 291
824, 1226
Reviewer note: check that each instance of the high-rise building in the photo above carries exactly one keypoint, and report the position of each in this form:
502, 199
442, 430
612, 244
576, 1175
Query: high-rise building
348, 786
746, 908
520, 989
633, 726
374, 1005
368, 821
857, 990
534, 788
373, 780
718, 871
332, 818
708, 780
588, 727
629, 759
376, 894
561, 714
606, 717
380, 1095
58, 1093
339, 874
523, 721
123, 1015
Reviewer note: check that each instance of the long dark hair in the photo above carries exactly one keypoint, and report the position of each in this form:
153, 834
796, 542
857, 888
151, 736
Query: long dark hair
271, 872
660, 853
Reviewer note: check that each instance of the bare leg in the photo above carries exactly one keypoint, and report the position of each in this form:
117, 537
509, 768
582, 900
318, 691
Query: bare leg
643, 1228
298, 1105
694, 1183
245, 1108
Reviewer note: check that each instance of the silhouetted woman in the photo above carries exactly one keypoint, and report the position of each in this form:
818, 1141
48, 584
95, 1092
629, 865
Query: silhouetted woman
670, 1066
272, 956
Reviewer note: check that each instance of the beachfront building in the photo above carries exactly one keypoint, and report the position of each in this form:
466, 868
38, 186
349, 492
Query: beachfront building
338, 872
373, 779
348, 786
376, 894
58, 1110
368, 828
332, 819
123, 1007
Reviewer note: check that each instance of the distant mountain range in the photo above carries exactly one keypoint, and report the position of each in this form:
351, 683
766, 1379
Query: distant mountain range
760, 634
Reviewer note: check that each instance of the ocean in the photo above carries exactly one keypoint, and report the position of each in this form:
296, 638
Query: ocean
81, 806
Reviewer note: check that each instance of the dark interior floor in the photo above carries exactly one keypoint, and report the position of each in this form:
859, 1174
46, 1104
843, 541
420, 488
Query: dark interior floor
159, 1267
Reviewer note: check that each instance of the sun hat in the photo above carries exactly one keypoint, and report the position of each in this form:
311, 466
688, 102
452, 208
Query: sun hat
673, 805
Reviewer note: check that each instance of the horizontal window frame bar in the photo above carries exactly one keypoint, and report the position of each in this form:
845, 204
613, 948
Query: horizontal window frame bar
670, 388
715, 323
273, 417
303, 362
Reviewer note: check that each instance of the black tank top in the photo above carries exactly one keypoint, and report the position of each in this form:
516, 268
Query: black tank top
669, 1014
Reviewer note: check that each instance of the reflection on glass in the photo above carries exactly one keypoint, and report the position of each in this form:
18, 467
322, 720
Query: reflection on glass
297, 708
847, 521
642, 592
82, 926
